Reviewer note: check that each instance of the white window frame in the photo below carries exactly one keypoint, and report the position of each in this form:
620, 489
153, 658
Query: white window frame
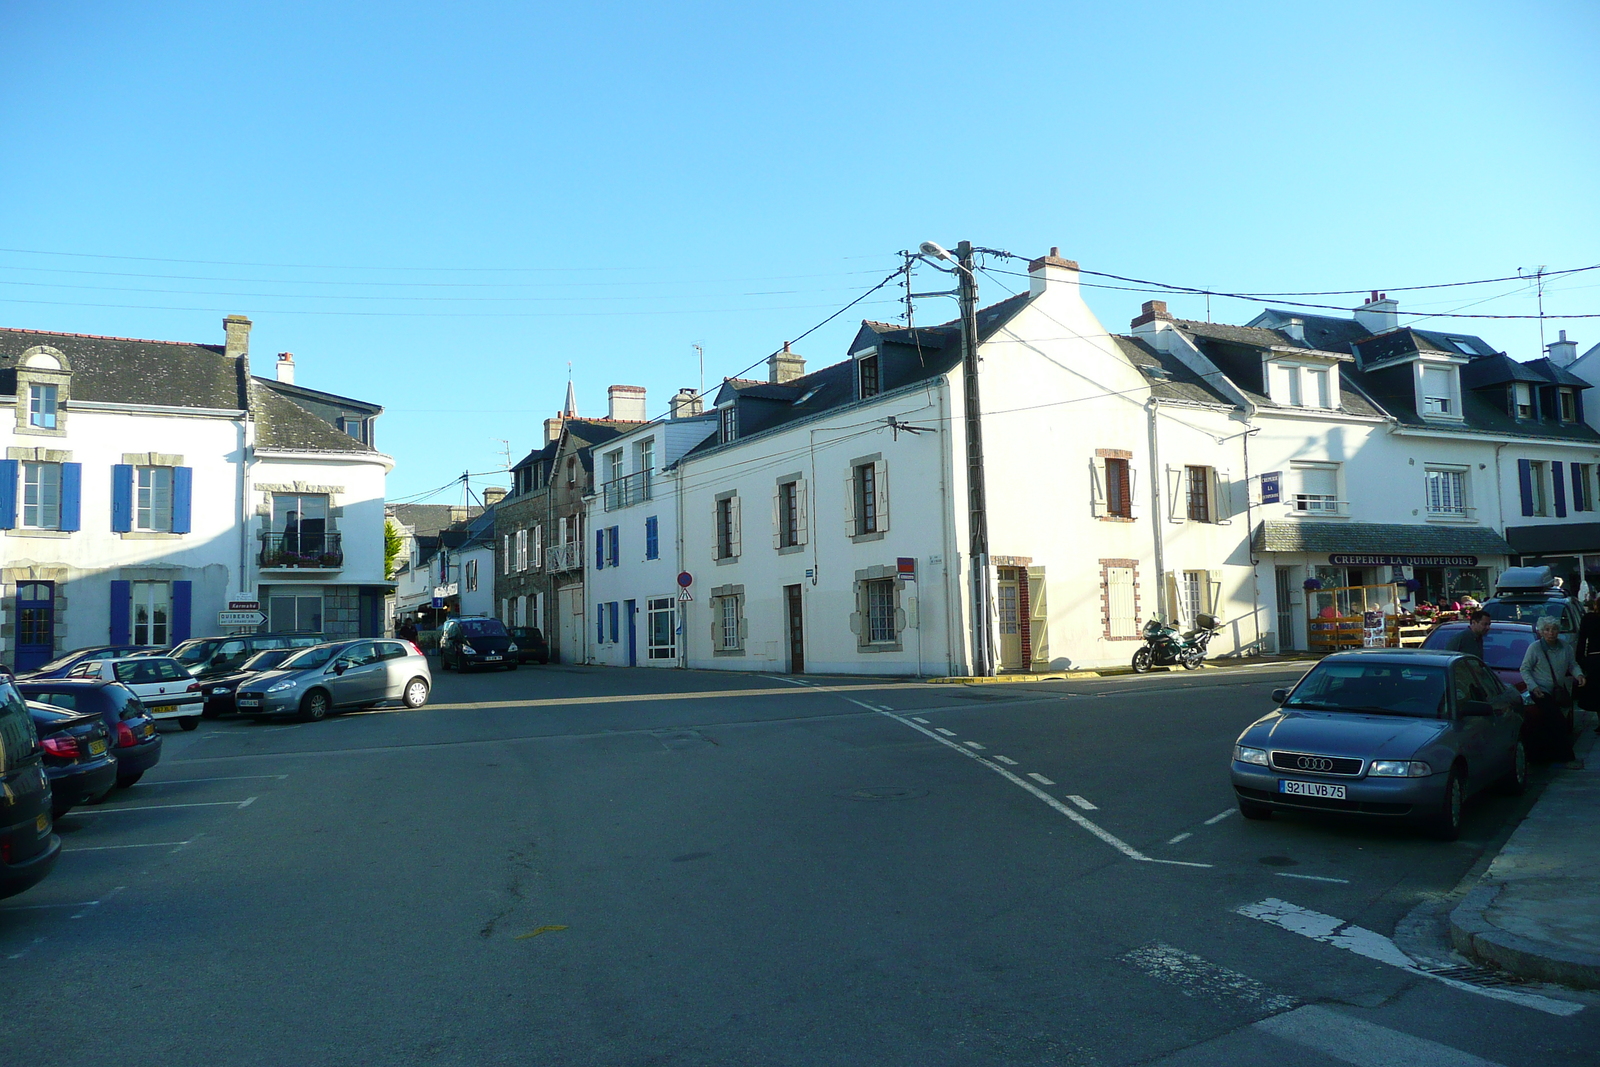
654, 607
880, 599
1317, 503
44, 406
1539, 481
1522, 400
1447, 503
730, 613
156, 600
1433, 403
152, 501
41, 496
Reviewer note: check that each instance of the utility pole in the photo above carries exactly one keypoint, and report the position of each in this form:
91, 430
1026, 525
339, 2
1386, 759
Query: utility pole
977, 496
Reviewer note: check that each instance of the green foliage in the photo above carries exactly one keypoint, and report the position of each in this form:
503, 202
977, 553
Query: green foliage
393, 542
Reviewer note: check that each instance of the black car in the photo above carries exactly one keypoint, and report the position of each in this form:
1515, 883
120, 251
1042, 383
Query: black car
78, 758
219, 689
58, 667
209, 657
28, 843
137, 744
531, 645
476, 641
1527, 594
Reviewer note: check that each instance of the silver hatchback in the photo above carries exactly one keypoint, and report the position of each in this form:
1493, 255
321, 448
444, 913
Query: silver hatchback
339, 674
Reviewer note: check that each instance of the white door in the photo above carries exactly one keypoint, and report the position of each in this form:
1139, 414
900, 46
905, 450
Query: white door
569, 611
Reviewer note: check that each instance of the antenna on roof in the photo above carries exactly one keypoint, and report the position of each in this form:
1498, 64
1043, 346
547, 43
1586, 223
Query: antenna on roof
700, 350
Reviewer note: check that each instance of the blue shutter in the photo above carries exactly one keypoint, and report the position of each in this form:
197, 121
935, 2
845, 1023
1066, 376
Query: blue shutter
1580, 492
1560, 482
71, 495
121, 613
182, 594
1525, 483
599, 624
611, 610
614, 537
600, 549
182, 496
652, 547
121, 497
8, 494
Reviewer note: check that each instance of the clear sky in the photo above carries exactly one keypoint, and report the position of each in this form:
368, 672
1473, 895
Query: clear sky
437, 207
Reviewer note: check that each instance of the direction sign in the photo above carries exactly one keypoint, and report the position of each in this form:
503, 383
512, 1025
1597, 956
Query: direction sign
240, 618
244, 605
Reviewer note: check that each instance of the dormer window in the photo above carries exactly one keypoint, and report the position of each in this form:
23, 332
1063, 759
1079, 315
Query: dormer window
727, 425
1569, 405
42, 406
867, 368
1298, 385
1438, 391
1522, 399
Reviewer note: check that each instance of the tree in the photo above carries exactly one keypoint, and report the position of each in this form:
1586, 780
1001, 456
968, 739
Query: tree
393, 542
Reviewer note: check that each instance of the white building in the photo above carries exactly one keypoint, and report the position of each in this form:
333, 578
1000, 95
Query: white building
146, 484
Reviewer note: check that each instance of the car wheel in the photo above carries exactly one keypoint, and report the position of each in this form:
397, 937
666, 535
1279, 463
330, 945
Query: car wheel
189, 722
1516, 780
1446, 823
1143, 660
314, 706
416, 693
1250, 809
124, 781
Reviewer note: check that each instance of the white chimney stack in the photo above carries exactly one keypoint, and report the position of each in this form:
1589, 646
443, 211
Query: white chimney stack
686, 404
1296, 329
626, 403
286, 367
1051, 270
1379, 314
1562, 352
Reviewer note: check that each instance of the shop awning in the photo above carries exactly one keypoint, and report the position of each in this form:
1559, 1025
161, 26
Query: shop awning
1379, 538
1557, 537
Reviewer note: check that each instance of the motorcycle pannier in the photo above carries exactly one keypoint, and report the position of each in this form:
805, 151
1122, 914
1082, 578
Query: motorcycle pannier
1207, 622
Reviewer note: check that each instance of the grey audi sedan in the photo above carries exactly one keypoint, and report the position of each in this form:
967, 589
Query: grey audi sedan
1400, 734
340, 674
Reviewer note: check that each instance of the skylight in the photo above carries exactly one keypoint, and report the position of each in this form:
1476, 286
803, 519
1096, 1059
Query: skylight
1466, 346
809, 393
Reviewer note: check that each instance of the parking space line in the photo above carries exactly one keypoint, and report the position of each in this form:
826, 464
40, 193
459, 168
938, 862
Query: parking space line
164, 807
922, 721
1009, 762
195, 781
108, 848
1222, 815
1311, 877
1180, 837
972, 745
1082, 803
938, 729
1041, 779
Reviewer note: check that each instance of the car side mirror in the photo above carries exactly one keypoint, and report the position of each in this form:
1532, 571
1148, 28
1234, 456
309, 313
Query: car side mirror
1473, 709
1279, 696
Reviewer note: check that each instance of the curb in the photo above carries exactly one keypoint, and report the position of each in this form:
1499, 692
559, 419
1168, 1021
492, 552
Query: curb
1473, 935
1117, 672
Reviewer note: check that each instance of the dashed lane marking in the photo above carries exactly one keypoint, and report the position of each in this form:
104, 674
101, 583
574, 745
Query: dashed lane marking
1220, 816
111, 848
1180, 837
1007, 760
922, 721
1311, 877
1041, 779
939, 729
1082, 803
973, 745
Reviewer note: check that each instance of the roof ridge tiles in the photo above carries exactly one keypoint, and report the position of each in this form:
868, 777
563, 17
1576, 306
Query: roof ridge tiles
107, 337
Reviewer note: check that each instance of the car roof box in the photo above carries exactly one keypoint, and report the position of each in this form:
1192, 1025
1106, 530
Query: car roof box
1524, 580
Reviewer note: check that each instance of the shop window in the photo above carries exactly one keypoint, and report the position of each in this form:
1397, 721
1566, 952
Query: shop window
295, 613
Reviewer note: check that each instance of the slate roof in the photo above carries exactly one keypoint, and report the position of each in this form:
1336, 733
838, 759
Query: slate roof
1378, 538
1236, 350
1170, 378
427, 520
283, 425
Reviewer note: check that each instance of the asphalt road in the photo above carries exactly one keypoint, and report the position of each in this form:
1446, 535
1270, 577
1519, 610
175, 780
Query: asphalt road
573, 865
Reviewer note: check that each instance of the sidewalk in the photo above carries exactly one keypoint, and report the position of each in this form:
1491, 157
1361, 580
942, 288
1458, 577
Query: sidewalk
1110, 672
1535, 912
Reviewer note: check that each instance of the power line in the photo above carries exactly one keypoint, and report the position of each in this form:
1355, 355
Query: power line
421, 314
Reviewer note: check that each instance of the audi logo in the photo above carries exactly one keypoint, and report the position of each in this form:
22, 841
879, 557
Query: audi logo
1313, 763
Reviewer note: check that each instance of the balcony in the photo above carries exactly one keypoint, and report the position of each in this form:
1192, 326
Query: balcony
627, 491
567, 557
305, 550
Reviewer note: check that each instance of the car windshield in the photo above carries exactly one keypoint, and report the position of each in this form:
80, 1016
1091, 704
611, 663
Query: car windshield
58, 662
265, 661
1528, 611
1416, 690
309, 659
192, 653
482, 628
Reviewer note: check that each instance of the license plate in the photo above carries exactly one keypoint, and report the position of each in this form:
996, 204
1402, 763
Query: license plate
149, 729
162, 709
249, 702
491, 659
1312, 789
42, 823
96, 747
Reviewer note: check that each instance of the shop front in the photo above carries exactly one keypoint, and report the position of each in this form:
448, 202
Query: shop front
1570, 550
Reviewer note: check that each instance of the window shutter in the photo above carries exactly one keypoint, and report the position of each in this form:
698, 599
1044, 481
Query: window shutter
1559, 481
1038, 618
538, 547
802, 519
8, 494
121, 613
615, 539
1097, 486
121, 497
1135, 502
600, 549
1222, 498
735, 541
716, 529
71, 495
880, 476
1177, 499
1213, 597
182, 499
1525, 483
1579, 503
850, 504
182, 597
777, 516
599, 623
1174, 597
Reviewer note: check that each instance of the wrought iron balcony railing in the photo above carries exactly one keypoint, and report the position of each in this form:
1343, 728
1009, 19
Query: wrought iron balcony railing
320, 549
568, 557
628, 490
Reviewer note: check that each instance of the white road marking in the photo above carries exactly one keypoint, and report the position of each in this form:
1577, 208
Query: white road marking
164, 807
1340, 934
1180, 837
922, 721
1311, 877
1105, 835
247, 803
45, 907
1197, 977
1008, 761
1362, 1043
109, 848
973, 745
1041, 779
1218, 818
31, 946
940, 729
194, 781
1082, 803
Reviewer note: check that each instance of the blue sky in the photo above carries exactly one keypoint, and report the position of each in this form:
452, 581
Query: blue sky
437, 207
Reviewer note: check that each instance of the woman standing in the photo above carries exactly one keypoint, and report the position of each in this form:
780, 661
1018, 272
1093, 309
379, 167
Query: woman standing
1550, 669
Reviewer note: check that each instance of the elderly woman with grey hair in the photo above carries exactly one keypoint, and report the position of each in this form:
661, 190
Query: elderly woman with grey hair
1549, 669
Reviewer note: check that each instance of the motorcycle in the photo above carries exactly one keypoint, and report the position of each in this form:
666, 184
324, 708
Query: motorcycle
1166, 646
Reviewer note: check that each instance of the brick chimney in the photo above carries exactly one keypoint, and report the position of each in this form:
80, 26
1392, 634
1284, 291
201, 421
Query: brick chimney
286, 367
552, 428
785, 366
686, 404
237, 330
1379, 314
493, 495
1151, 311
1052, 271
626, 403
1562, 352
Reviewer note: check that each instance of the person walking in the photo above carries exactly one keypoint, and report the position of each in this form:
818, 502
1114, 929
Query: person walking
1549, 670
1471, 639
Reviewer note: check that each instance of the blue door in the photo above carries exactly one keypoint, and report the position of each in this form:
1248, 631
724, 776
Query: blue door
633, 632
36, 624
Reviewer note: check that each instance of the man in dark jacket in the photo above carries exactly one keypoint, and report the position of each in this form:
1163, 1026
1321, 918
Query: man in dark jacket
1470, 640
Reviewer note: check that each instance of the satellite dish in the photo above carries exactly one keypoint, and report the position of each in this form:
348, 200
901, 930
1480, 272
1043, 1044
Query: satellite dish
934, 249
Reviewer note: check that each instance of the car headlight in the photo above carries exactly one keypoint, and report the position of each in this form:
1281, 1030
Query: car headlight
1245, 754
468, 649
287, 683
1399, 768
220, 690
512, 647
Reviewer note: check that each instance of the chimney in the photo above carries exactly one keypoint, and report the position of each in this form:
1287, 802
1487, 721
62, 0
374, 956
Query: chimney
686, 404
457, 514
237, 329
1048, 271
1379, 314
1562, 352
1152, 311
1296, 329
493, 495
286, 367
785, 366
552, 428
625, 403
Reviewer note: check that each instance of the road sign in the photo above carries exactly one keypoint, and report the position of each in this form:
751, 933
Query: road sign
244, 605
684, 596
1271, 487
240, 618
907, 568
438, 601
685, 579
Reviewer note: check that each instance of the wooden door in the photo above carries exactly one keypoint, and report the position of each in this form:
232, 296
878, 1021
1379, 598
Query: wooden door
1008, 607
795, 622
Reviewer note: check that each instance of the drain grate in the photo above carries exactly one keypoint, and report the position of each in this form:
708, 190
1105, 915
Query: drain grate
1478, 976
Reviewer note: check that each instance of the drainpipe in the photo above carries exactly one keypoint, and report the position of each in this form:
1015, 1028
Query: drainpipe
1150, 407
1249, 532
947, 538
683, 605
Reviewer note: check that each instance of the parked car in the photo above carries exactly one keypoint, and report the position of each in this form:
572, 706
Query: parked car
219, 688
206, 657
1503, 647
476, 641
340, 674
1390, 733
162, 685
58, 667
1525, 594
137, 742
530, 645
78, 758
28, 842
